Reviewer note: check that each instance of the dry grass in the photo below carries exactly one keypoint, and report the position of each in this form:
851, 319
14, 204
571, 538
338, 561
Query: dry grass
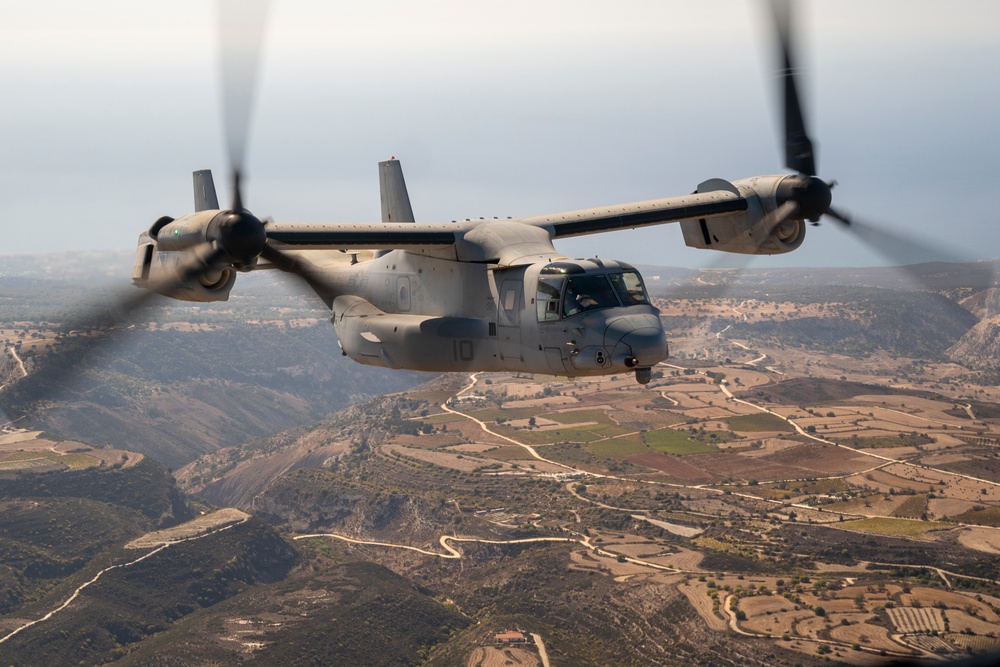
977, 644
446, 459
777, 623
961, 622
872, 636
697, 594
912, 508
986, 540
936, 597
197, 526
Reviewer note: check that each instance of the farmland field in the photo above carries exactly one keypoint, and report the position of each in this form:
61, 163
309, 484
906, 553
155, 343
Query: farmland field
976, 644
669, 441
623, 446
909, 620
496, 656
888, 526
71, 461
874, 636
761, 421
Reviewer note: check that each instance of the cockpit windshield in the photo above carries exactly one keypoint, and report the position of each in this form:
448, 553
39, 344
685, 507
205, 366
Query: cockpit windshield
585, 293
563, 296
629, 287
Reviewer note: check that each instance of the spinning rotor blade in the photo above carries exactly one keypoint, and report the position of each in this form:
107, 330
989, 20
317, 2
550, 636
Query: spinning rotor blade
98, 326
799, 154
808, 197
903, 250
241, 32
288, 264
237, 240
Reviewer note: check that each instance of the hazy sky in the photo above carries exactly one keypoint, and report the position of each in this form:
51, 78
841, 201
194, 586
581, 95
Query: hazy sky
499, 109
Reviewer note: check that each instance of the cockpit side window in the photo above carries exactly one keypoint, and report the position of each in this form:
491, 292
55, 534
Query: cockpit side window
629, 287
587, 293
547, 298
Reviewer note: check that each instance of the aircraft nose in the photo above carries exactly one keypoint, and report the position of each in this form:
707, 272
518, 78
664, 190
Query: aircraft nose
637, 340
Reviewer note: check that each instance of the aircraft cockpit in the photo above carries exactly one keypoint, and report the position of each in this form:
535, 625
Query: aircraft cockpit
568, 288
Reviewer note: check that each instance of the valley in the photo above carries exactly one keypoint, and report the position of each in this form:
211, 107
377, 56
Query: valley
772, 497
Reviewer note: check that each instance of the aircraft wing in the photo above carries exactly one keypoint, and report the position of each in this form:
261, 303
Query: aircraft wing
362, 235
389, 236
491, 240
641, 214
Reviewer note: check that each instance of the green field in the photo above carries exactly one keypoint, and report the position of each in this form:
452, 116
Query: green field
71, 461
886, 526
446, 418
669, 441
792, 489
492, 414
579, 417
984, 517
771, 492
624, 446
762, 421
587, 433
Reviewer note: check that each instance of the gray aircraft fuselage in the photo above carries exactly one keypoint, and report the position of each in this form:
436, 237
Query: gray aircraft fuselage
559, 317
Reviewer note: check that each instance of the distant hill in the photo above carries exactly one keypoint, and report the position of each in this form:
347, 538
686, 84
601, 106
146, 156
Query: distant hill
932, 275
178, 394
916, 324
94, 266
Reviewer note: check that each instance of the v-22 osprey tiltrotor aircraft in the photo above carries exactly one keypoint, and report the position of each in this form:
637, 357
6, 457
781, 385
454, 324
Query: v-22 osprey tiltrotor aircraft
484, 295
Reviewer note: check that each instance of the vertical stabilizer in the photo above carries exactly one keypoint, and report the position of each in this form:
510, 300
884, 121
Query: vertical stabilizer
205, 198
392, 187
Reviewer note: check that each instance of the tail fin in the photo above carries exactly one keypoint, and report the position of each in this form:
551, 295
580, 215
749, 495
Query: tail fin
204, 191
392, 187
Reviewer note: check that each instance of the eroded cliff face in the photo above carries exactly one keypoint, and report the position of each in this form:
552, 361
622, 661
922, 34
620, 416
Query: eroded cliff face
980, 347
983, 304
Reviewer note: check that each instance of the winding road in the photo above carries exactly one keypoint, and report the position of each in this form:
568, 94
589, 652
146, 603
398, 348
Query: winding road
20, 364
100, 574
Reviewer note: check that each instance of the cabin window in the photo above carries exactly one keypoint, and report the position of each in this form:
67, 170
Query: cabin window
629, 287
510, 299
547, 298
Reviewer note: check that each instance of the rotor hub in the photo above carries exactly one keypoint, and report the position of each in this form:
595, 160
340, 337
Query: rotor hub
241, 235
811, 195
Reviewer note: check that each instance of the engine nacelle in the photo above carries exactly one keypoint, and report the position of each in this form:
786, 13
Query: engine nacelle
157, 270
371, 336
749, 231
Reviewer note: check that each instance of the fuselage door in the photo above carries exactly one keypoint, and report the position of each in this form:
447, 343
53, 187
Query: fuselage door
509, 318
